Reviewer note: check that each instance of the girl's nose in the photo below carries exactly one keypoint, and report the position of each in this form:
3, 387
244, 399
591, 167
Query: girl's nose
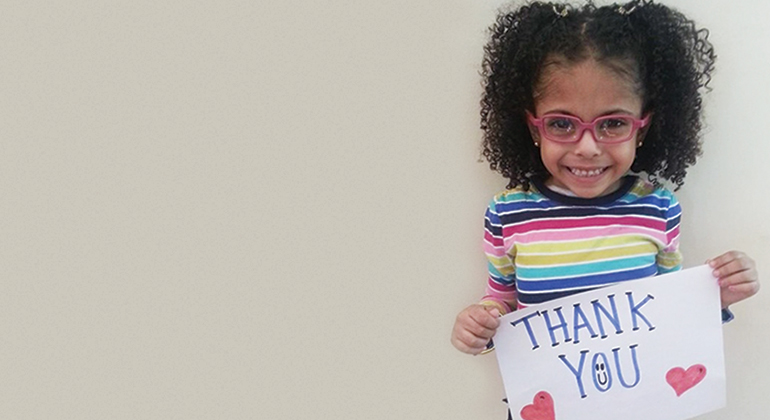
587, 145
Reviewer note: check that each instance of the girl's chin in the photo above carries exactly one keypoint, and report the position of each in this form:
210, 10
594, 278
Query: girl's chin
588, 185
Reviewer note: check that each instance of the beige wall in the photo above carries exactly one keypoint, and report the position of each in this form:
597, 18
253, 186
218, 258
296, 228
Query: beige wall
273, 210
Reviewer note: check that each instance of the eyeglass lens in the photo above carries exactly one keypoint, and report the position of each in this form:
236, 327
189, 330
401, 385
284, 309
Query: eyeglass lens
567, 129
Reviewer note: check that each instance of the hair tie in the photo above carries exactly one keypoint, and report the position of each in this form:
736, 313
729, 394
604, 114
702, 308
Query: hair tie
561, 13
622, 10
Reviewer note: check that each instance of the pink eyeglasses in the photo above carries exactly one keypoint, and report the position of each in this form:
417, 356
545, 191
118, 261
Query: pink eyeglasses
606, 129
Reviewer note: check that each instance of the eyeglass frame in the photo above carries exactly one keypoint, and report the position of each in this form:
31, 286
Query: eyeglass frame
583, 126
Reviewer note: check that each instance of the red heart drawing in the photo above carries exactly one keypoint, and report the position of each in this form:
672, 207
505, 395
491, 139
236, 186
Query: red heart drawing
540, 409
682, 380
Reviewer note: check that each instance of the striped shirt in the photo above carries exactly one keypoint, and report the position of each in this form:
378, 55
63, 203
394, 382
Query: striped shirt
542, 245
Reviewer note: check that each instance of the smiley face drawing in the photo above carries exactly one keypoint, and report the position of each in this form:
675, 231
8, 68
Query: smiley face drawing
601, 372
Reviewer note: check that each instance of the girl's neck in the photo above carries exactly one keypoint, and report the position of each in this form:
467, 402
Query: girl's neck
565, 191
561, 190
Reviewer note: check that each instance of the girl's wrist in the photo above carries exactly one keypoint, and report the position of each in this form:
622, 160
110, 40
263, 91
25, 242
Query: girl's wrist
489, 304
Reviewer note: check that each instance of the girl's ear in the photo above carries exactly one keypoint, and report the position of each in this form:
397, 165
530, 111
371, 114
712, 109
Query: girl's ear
642, 133
533, 132
640, 136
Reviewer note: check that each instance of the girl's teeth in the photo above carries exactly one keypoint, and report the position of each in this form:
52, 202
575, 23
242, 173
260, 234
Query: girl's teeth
584, 173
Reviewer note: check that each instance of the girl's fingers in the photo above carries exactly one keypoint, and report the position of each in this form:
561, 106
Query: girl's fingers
732, 263
484, 318
747, 288
466, 342
745, 276
725, 258
459, 345
479, 330
474, 341
473, 329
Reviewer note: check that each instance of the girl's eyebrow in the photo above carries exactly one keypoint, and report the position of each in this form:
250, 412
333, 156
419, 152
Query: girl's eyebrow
614, 111
619, 111
558, 111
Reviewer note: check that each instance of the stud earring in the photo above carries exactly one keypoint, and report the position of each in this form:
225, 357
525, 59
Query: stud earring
639, 144
537, 143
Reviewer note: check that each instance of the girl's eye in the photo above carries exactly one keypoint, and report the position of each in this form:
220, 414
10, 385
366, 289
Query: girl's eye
613, 125
560, 125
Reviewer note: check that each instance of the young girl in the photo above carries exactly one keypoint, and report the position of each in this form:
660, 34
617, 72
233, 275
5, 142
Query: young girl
576, 101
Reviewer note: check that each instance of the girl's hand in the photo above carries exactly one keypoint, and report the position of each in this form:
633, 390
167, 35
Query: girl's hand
737, 274
474, 327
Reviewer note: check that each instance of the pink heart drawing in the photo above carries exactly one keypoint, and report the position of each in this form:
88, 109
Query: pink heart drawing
682, 380
540, 409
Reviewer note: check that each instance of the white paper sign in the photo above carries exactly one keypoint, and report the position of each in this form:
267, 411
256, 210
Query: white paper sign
643, 349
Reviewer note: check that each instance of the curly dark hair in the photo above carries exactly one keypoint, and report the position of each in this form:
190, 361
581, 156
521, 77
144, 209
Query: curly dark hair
666, 56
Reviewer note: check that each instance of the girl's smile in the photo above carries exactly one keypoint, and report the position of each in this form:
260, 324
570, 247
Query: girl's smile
586, 90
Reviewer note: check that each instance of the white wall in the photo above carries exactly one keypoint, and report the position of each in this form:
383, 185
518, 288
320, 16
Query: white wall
273, 210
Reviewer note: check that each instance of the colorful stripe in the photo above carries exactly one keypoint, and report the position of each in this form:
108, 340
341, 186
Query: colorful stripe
542, 245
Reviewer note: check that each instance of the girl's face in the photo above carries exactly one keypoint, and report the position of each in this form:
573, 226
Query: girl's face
586, 90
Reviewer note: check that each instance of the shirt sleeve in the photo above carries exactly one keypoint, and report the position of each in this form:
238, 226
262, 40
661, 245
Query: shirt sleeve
727, 315
669, 257
501, 283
